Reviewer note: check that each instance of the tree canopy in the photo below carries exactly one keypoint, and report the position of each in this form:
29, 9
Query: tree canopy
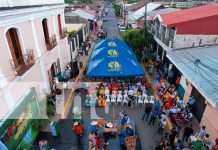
137, 39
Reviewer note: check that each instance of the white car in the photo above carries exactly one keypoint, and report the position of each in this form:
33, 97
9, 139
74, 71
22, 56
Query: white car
122, 28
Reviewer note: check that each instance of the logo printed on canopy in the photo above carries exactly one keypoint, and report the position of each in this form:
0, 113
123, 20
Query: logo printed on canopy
112, 44
114, 66
112, 53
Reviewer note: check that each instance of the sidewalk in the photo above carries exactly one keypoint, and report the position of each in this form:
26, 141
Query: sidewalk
68, 94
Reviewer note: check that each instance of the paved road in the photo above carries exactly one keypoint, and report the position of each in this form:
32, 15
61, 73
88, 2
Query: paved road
110, 26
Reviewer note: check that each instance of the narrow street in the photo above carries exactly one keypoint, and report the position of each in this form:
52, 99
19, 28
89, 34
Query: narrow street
110, 26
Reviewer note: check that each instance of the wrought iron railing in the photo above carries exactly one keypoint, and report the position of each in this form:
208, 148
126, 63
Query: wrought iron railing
64, 33
51, 42
24, 63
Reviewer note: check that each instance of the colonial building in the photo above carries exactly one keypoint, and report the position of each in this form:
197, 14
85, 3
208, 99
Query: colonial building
34, 48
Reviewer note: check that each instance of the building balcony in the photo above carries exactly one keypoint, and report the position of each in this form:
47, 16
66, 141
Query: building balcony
51, 42
64, 33
24, 63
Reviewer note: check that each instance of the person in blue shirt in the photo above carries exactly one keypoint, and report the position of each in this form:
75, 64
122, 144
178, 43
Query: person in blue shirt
93, 127
157, 105
170, 76
126, 133
154, 115
124, 120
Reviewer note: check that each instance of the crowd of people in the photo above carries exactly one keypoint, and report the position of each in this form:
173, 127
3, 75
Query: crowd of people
179, 112
119, 89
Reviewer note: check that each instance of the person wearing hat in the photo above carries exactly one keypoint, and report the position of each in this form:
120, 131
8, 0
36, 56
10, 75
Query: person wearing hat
126, 132
78, 129
107, 133
100, 122
93, 127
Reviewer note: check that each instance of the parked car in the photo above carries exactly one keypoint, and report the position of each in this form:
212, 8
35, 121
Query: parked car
120, 22
122, 28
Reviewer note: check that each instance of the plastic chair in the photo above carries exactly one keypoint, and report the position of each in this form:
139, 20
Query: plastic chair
119, 98
152, 98
125, 99
113, 98
140, 100
108, 99
145, 98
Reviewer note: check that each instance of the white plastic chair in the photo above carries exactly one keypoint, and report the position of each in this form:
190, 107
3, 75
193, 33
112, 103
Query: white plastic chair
107, 92
119, 98
113, 97
152, 98
108, 101
145, 98
140, 100
125, 99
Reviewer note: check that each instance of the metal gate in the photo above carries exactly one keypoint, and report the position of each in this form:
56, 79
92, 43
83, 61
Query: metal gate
200, 104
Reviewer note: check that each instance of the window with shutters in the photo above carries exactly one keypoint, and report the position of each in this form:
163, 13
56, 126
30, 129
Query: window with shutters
50, 42
62, 31
20, 62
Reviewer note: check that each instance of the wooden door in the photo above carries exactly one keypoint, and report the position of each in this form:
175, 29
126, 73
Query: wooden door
45, 30
59, 24
15, 48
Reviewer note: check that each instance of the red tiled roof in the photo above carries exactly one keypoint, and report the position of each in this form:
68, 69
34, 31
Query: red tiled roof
137, 6
199, 20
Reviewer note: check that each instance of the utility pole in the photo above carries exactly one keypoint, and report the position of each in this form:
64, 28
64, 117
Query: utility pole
145, 22
124, 11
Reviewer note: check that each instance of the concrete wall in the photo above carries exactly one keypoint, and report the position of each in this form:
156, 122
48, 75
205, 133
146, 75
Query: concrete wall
14, 3
210, 120
182, 41
188, 90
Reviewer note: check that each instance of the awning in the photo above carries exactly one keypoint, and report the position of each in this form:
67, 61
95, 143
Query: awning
199, 66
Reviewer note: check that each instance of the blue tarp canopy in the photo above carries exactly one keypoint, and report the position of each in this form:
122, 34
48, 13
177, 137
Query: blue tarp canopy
113, 58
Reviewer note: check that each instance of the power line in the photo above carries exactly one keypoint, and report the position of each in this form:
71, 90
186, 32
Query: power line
195, 62
206, 66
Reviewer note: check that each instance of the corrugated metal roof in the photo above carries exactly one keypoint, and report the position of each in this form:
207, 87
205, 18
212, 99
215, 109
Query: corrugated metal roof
141, 12
81, 13
153, 13
204, 74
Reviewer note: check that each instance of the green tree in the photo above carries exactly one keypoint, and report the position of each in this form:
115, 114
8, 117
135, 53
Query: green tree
117, 9
136, 38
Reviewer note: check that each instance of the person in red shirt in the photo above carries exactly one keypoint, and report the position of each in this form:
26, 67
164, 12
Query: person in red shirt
98, 142
78, 130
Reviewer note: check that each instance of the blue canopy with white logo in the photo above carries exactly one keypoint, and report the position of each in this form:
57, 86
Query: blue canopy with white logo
113, 58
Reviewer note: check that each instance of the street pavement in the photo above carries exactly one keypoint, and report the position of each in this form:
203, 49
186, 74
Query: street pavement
110, 26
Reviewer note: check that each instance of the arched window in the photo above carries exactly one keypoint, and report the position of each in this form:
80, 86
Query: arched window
15, 47
45, 30
59, 24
